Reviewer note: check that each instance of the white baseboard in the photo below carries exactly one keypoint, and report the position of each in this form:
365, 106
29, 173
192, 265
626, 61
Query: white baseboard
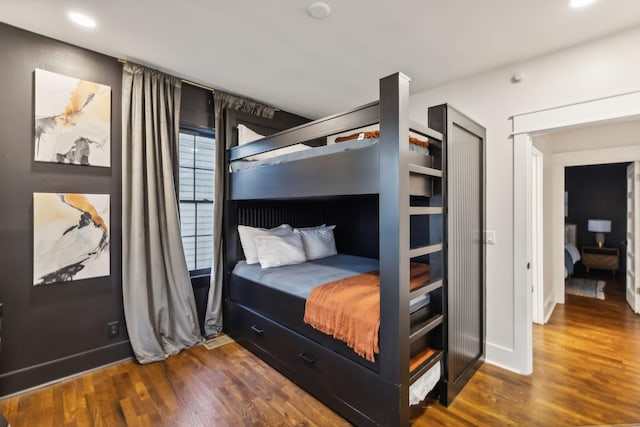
549, 306
501, 357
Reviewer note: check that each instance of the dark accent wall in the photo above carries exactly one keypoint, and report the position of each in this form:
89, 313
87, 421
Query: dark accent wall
598, 192
52, 331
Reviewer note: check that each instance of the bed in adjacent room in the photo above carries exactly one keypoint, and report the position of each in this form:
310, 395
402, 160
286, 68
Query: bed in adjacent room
571, 252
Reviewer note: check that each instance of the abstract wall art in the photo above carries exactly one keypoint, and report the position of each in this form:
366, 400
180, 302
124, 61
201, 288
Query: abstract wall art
70, 237
72, 120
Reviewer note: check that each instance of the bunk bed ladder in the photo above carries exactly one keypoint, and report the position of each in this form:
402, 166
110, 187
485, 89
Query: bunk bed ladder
426, 344
425, 336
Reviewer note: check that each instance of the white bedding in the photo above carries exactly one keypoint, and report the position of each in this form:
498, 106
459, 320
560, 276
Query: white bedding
418, 390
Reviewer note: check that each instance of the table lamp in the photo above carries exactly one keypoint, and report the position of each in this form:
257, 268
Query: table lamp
599, 226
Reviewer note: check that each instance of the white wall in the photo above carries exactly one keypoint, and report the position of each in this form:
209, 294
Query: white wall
619, 134
603, 68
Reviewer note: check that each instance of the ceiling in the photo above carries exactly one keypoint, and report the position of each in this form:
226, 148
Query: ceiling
274, 52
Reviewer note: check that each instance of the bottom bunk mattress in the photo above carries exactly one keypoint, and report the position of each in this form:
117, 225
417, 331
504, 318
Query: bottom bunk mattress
280, 293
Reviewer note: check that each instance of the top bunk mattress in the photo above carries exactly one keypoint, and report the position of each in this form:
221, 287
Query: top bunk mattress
239, 165
354, 144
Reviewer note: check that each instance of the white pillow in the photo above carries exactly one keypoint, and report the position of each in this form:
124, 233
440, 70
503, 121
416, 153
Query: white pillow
275, 251
248, 235
246, 135
319, 242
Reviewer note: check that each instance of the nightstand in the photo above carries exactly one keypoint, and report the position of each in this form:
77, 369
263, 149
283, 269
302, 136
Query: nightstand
600, 258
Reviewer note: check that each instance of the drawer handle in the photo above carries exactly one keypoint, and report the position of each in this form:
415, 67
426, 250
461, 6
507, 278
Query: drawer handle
309, 359
257, 330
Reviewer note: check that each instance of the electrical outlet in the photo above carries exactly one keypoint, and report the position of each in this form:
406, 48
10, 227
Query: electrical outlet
113, 329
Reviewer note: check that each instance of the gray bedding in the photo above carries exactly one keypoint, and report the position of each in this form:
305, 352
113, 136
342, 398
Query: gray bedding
568, 263
299, 279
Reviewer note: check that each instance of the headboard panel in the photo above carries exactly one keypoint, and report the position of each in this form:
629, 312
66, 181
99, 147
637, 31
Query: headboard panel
355, 218
570, 232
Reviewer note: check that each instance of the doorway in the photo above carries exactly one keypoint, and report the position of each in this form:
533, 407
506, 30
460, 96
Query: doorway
593, 192
616, 108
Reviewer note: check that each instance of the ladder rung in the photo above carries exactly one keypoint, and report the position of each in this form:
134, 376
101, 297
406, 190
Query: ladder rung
420, 358
425, 289
426, 328
423, 170
418, 127
423, 210
424, 250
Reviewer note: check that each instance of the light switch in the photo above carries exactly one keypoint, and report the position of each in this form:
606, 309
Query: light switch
490, 237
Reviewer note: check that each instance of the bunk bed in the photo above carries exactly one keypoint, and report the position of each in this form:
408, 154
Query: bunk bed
394, 213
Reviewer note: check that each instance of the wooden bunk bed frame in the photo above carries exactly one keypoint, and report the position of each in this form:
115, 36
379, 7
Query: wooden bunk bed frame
364, 393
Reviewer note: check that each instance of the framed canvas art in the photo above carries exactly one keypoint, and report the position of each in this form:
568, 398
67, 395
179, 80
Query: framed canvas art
70, 237
72, 120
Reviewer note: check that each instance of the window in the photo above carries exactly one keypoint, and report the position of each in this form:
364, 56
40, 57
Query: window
197, 163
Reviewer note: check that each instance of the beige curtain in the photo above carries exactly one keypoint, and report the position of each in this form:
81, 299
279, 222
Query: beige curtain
222, 101
159, 305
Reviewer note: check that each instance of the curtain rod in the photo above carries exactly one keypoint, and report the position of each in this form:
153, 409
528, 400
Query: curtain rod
189, 82
201, 86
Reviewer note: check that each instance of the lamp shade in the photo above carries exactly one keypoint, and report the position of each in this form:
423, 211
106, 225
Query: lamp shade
599, 225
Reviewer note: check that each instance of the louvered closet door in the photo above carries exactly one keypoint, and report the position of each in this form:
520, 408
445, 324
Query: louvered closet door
465, 291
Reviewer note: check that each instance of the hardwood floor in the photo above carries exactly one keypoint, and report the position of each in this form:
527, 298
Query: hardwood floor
586, 366
226, 386
586, 372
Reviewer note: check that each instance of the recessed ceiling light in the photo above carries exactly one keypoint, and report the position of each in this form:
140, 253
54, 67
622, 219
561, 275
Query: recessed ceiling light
580, 3
319, 10
82, 19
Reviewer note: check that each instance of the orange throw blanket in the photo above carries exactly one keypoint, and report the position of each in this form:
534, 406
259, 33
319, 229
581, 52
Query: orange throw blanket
376, 134
349, 309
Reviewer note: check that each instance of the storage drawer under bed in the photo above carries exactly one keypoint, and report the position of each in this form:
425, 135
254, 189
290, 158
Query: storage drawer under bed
357, 393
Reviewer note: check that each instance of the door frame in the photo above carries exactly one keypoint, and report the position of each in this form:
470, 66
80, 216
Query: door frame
610, 109
632, 297
537, 236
